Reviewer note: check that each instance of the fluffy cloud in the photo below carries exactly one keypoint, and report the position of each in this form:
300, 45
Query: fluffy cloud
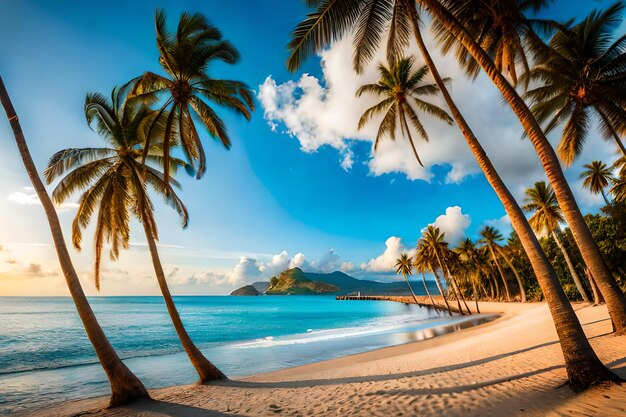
453, 223
324, 112
28, 197
503, 224
386, 261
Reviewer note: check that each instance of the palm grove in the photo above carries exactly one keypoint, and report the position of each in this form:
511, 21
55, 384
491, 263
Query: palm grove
565, 76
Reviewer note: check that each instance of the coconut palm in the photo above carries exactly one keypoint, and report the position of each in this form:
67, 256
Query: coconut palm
490, 239
618, 188
501, 27
561, 311
581, 79
404, 266
115, 183
472, 261
546, 219
332, 19
426, 256
421, 265
401, 88
125, 386
187, 86
597, 177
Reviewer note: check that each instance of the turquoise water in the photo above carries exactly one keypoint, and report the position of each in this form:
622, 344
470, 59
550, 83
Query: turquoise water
45, 356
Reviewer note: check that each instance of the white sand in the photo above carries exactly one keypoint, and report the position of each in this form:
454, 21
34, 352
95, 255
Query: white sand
512, 366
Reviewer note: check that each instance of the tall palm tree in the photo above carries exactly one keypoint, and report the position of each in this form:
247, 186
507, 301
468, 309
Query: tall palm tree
470, 256
451, 263
491, 238
125, 386
404, 266
115, 183
616, 301
332, 19
581, 79
547, 217
426, 256
597, 177
421, 265
183, 92
401, 88
501, 27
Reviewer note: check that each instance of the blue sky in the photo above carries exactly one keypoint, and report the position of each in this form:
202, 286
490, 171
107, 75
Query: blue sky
266, 196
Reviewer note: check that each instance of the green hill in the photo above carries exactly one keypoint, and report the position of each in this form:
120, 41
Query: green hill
293, 281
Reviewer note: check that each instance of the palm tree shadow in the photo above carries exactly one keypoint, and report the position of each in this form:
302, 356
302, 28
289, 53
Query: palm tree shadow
159, 408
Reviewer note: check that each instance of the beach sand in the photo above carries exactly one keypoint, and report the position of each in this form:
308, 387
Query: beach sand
509, 367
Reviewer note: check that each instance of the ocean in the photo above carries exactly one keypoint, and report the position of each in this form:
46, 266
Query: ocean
46, 358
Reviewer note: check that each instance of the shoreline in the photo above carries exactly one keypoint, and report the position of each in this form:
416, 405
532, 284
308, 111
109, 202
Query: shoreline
481, 370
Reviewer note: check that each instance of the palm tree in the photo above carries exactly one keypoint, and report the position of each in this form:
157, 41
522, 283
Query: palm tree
618, 188
404, 266
186, 57
616, 301
332, 19
501, 27
546, 219
426, 256
596, 178
401, 88
125, 386
470, 256
421, 265
490, 239
581, 79
115, 182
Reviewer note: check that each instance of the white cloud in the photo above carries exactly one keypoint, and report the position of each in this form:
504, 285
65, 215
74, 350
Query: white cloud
453, 223
28, 198
502, 224
386, 261
324, 112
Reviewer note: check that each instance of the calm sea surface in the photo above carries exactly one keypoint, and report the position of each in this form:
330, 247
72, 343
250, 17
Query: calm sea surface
45, 356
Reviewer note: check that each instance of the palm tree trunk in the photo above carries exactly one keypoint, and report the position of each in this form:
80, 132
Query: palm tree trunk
583, 366
606, 199
475, 295
206, 370
125, 386
570, 265
506, 285
457, 289
522, 291
615, 298
440, 288
410, 288
426, 289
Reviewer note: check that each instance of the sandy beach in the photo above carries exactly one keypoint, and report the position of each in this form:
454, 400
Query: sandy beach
511, 366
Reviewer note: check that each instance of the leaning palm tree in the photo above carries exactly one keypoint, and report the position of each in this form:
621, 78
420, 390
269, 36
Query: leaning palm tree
420, 264
332, 19
115, 182
425, 255
187, 86
597, 176
590, 370
404, 266
546, 219
471, 259
490, 239
401, 88
125, 386
580, 80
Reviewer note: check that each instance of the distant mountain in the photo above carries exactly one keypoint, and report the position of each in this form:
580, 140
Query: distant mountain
246, 290
294, 281
346, 284
261, 286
